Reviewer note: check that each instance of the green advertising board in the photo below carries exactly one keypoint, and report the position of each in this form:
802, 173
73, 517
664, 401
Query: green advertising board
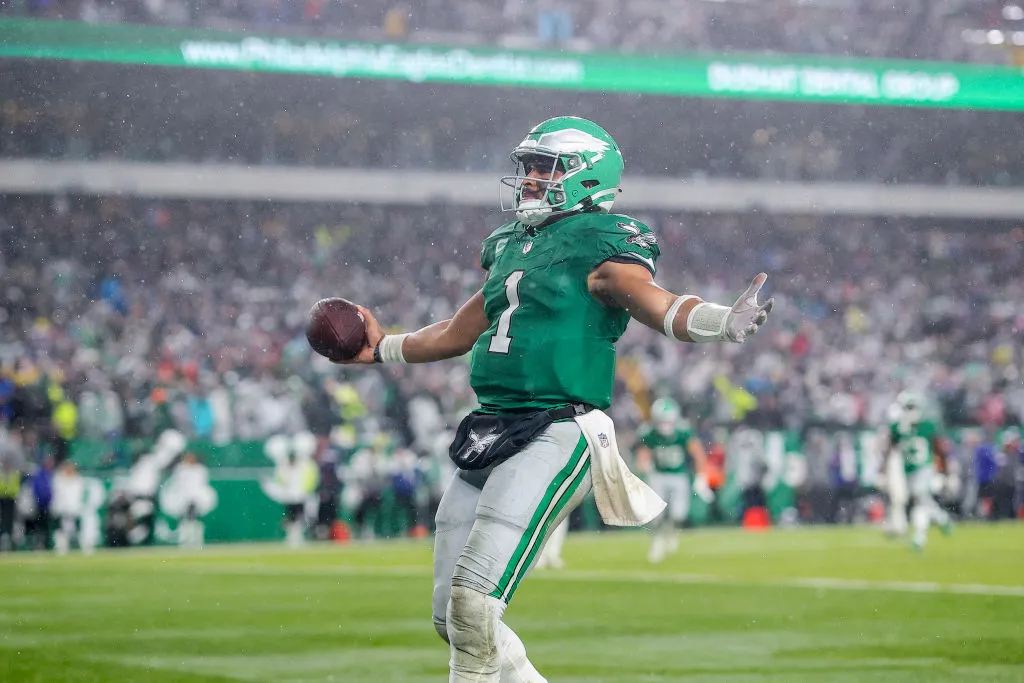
797, 78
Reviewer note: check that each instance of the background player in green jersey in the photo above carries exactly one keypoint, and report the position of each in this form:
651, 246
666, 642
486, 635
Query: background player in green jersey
673, 459
562, 281
914, 441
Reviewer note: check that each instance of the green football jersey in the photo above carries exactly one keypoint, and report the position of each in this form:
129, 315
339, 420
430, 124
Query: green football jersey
669, 453
550, 342
914, 443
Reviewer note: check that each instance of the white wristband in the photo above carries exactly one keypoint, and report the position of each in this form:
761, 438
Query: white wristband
391, 348
706, 322
670, 315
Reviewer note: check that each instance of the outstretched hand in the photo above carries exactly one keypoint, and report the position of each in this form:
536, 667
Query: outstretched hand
747, 315
373, 335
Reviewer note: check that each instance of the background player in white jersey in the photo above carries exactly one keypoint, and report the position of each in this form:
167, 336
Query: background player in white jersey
188, 497
674, 460
76, 504
562, 281
893, 478
915, 443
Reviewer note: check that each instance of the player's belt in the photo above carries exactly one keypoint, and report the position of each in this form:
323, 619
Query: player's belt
571, 410
485, 440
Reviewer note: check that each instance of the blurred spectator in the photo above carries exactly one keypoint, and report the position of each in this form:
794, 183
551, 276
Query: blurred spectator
396, 23
845, 478
366, 478
12, 467
554, 23
7, 389
68, 495
118, 520
406, 483
65, 425
1007, 475
38, 524
294, 482
187, 497
328, 490
986, 468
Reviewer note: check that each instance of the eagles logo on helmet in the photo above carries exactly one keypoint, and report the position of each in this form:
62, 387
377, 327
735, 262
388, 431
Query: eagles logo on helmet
585, 158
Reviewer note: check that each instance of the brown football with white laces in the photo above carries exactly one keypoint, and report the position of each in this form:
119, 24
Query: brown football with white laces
336, 329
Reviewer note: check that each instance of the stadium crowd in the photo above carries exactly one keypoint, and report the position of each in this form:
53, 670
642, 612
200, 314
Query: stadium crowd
909, 29
122, 318
54, 112
129, 303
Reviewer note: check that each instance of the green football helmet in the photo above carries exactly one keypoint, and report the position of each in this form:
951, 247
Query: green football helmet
665, 415
664, 409
587, 156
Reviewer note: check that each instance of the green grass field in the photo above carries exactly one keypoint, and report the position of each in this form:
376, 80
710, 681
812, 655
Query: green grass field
784, 606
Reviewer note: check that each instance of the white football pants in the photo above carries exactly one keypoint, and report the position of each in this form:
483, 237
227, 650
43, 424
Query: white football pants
491, 526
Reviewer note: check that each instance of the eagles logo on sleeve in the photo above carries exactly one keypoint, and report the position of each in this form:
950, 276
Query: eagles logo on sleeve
644, 240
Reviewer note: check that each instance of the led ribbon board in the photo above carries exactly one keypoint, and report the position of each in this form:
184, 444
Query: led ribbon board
797, 78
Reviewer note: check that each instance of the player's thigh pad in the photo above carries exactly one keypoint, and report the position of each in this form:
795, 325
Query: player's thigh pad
897, 481
522, 501
919, 483
675, 490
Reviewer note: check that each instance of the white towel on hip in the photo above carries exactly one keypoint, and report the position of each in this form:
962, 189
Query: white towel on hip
623, 499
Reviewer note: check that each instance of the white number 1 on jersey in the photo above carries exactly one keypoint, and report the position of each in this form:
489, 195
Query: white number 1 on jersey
501, 339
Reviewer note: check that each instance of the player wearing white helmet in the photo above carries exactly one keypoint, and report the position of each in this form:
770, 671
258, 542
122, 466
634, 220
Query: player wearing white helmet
915, 446
563, 279
674, 460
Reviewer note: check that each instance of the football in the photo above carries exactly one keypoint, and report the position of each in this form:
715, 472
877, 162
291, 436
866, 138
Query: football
335, 329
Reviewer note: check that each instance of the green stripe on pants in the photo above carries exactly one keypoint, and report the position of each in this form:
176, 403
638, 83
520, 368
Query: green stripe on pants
574, 485
558, 494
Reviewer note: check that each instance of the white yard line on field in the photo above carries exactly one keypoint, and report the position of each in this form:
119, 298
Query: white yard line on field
818, 583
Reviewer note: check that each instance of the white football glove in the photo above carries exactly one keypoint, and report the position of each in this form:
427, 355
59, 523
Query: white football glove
702, 489
708, 322
746, 316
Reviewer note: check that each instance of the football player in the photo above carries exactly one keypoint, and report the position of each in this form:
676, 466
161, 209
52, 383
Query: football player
673, 458
915, 442
562, 280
